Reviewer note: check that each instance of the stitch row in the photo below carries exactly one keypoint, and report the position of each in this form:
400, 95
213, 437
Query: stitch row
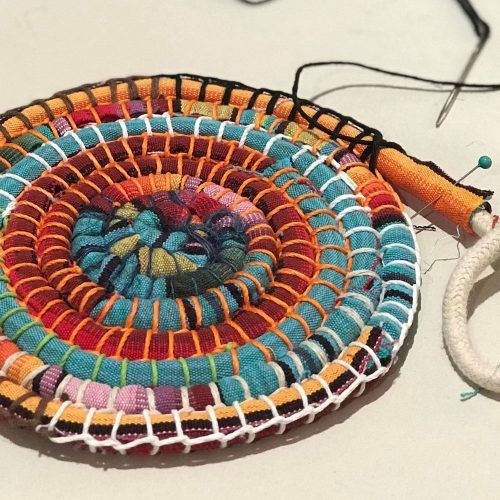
108, 208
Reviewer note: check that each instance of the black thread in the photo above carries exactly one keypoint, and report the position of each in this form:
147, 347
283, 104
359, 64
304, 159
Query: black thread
255, 2
113, 84
26, 121
155, 88
226, 97
46, 108
272, 103
90, 95
178, 87
481, 27
133, 91
203, 90
66, 100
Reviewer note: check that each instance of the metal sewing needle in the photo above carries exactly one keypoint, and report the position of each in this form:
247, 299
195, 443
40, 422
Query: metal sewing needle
452, 97
482, 30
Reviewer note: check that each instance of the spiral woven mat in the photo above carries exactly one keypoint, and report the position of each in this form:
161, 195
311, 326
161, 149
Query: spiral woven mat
183, 268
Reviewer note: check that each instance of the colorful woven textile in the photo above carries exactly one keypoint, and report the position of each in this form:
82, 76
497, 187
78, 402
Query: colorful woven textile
188, 263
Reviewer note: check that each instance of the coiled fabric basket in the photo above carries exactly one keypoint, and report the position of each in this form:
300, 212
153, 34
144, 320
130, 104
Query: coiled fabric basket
189, 263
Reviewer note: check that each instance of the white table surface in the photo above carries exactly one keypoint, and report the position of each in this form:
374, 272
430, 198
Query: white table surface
408, 437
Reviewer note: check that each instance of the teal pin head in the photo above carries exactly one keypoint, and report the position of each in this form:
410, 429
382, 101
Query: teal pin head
485, 162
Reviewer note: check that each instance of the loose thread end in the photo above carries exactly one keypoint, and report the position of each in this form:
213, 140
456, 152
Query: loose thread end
465, 396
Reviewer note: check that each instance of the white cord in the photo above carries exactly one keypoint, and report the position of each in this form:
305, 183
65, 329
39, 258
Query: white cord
481, 371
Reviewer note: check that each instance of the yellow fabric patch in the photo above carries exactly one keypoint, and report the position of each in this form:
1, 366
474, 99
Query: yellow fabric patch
126, 245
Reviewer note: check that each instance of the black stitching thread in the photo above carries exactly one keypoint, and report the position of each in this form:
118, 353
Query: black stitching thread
373, 145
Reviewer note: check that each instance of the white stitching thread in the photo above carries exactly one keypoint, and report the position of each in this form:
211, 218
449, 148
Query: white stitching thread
277, 419
77, 139
244, 136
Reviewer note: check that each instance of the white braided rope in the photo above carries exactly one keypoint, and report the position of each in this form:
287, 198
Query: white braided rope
481, 371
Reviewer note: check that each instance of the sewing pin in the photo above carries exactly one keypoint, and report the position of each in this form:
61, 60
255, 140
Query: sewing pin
485, 162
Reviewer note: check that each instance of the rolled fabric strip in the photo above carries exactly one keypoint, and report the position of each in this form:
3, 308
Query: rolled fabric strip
188, 263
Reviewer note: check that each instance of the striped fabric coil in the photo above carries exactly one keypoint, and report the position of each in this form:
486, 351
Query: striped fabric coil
189, 263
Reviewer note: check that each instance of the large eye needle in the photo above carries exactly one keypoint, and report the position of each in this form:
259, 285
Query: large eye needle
483, 32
